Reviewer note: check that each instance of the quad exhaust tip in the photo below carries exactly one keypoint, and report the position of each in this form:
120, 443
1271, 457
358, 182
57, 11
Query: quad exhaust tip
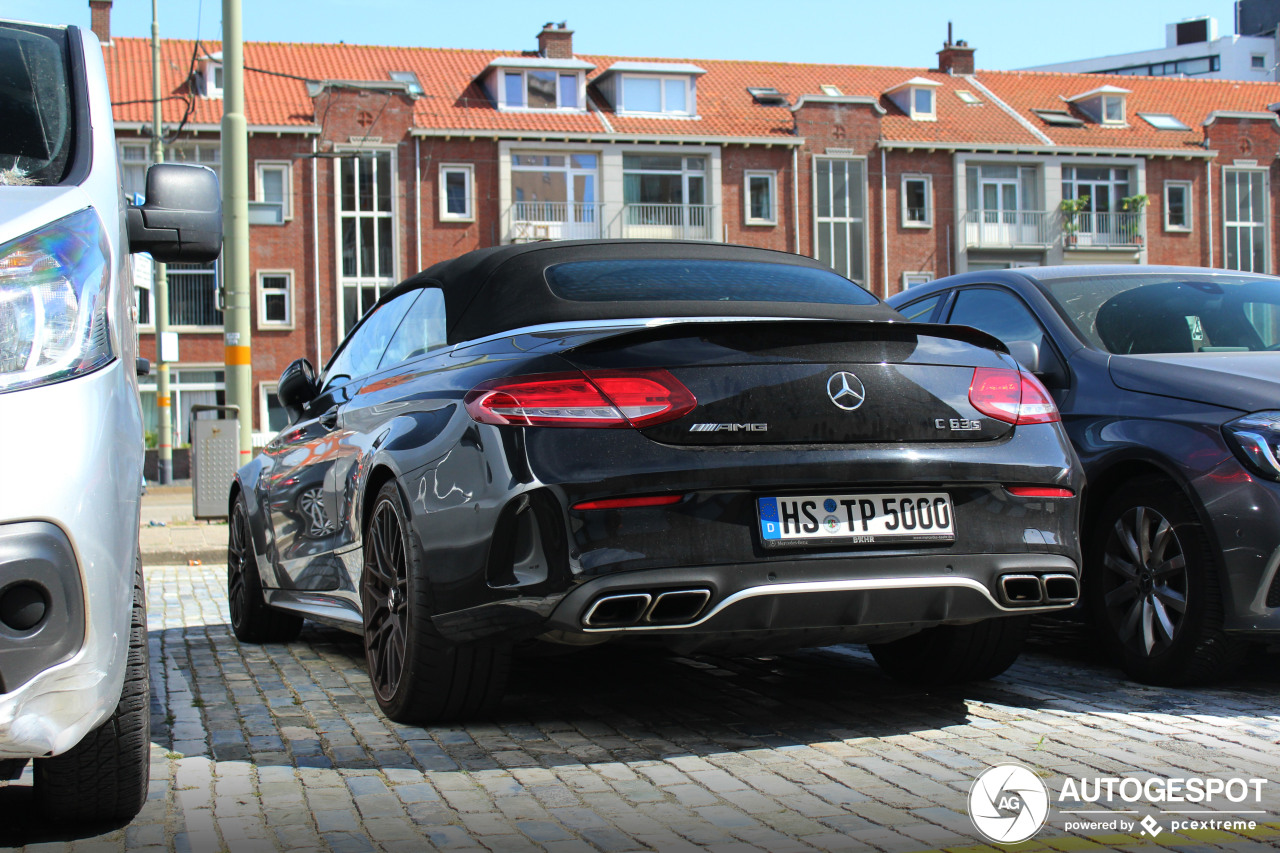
668, 607
1026, 590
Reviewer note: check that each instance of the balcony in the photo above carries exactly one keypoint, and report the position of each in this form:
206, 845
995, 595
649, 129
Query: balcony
1008, 229
668, 221
1103, 230
556, 220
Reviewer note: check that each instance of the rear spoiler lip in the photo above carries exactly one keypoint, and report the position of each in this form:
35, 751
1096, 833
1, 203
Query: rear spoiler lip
639, 325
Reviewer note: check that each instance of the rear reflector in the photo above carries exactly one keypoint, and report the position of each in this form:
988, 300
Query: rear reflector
625, 503
1039, 492
597, 398
1013, 396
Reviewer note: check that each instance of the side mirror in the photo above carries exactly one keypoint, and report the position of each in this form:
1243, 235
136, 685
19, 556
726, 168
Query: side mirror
1026, 353
297, 388
182, 217
1043, 363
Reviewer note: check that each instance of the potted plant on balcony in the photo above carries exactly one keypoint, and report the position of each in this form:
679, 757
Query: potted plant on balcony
1133, 224
1071, 209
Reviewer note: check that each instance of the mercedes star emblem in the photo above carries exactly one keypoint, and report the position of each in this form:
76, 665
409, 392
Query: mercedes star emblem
846, 391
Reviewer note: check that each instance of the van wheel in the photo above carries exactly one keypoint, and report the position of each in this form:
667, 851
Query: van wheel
951, 654
252, 621
417, 675
104, 777
1154, 590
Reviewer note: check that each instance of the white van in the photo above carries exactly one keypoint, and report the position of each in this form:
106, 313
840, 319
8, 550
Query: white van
74, 691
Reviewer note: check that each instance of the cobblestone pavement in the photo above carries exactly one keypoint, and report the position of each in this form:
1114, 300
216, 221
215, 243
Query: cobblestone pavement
282, 748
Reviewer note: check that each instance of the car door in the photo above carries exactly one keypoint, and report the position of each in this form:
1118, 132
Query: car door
308, 497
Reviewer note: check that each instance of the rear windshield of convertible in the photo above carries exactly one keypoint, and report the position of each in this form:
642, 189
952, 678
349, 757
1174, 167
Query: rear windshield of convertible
675, 280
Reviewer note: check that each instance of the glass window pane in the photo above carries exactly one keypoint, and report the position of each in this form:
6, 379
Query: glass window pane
1229, 180
857, 263
513, 85
856, 182
651, 162
1259, 249
455, 189
367, 249
761, 199
273, 185
569, 90
350, 308
675, 96
924, 101
695, 190
840, 190
542, 90
998, 313
364, 182
841, 257
422, 330
695, 164
584, 188
824, 188
641, 94
1258, 196
582, 161
825, 253
347, 169
917, 201
276, 307
362, 351
1113, 109
385, 245
349, 247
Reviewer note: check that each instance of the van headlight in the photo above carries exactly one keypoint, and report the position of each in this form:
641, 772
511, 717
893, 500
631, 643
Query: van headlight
53, 303
1256, 440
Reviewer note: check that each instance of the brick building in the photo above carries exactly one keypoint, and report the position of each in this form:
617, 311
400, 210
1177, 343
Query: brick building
370, 163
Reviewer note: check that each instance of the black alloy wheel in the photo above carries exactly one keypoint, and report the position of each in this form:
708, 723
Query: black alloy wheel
1153, 587
252, 621
417, 675
384, 597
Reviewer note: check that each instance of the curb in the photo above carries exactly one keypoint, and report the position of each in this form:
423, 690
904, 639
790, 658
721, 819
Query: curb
171, 557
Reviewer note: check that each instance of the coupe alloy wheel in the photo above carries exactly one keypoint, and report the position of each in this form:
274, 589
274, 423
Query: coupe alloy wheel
385, 594
238, 555
1145, 581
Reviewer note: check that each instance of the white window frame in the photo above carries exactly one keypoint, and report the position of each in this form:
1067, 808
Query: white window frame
211, 87
690, 95
928, 201
860, 276
1186, 186
501, 89
268, 325
1230, 221
469, 215
772, 178
921, 115
1102, 110
381, 284
286, 169
913, 278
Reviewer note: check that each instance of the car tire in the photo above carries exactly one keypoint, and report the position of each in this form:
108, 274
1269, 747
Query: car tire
1153, 588
417, 675
252, 620
105, 776
953, 654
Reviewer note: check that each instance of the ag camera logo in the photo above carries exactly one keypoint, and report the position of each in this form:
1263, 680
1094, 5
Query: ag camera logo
1008, 803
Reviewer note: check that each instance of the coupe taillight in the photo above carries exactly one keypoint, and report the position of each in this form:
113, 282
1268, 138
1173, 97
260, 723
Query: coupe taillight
1013, 396
595, 398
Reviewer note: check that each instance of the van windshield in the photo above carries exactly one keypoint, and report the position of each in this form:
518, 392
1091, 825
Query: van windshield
36, 113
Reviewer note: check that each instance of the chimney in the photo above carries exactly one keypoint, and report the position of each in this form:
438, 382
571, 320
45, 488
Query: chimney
100, 19
555, 41
956, 57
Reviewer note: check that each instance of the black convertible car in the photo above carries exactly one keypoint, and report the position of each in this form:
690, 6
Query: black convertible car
710, 447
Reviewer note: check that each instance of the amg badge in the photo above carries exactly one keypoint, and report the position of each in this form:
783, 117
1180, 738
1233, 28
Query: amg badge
729, 428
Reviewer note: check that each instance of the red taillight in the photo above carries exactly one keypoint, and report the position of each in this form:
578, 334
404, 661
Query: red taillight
1039, 492
626, 503
1013, 396
597, 398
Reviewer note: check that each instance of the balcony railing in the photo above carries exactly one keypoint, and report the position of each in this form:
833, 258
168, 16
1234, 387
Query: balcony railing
1090, 230
555, 220
985, 229
668, 221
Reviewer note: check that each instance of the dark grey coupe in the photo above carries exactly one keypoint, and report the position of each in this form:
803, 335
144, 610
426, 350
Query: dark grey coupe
1168, 380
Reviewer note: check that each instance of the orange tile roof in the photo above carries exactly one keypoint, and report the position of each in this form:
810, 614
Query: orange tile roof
454, 100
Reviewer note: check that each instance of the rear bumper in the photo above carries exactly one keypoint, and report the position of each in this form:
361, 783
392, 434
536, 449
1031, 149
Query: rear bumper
914, 591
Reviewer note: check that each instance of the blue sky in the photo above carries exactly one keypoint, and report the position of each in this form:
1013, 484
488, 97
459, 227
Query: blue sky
1006, 33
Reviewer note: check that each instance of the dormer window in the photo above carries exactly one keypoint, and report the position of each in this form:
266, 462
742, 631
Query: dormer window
213, 76
917, 98
651, 88
1105, 105
537, 83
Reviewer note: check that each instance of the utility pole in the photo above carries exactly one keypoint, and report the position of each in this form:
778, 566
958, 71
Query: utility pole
160, 284
235, 226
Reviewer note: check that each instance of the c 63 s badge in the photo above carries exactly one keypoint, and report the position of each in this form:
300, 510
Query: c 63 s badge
957, 424
729, 428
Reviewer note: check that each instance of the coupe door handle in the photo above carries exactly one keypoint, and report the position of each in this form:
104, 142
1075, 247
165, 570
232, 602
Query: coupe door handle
329, 420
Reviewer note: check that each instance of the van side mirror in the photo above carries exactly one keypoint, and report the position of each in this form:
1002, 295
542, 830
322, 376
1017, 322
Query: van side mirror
182, 217
297, 388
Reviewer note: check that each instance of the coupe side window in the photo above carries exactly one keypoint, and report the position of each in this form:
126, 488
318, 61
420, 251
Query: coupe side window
422, 330
922, 311
365, 345
997, 313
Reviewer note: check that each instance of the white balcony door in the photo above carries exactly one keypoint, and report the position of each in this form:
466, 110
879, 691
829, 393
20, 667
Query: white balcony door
555, 196
998, 224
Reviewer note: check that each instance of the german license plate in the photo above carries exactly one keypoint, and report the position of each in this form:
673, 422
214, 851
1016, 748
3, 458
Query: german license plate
856, 519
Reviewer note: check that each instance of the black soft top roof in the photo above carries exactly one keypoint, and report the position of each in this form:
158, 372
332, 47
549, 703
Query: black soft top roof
494, 290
